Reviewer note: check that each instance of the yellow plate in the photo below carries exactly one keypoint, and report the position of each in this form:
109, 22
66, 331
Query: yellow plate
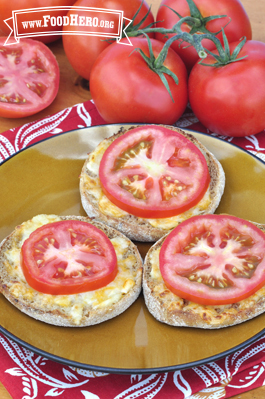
44, 179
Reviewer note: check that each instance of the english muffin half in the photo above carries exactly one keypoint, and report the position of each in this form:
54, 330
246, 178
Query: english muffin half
207, 273
60, 258
145, 169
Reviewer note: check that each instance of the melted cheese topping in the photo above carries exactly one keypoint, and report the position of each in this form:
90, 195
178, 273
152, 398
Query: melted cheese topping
209, 314
73, 306
93, 185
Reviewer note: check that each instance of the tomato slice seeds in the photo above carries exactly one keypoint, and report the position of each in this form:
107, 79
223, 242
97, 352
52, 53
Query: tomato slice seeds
68, 257
154, 172
214, 259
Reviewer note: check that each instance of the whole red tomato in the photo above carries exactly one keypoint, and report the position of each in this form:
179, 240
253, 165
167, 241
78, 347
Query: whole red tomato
230, 99
238, 26
125, 89
7, 6
82, 50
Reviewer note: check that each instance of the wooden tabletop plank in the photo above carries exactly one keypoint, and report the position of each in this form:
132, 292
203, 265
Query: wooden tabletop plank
72, 91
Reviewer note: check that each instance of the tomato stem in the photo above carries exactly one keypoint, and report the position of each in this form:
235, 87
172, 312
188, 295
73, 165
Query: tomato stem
132, 29
194, 40
198, 23
157, 64
159, 69
194, 37
224, 56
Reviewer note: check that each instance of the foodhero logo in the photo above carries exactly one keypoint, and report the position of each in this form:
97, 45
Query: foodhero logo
75, 20
47, 21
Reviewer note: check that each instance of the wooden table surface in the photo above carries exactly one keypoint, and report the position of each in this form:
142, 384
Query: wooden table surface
74, 90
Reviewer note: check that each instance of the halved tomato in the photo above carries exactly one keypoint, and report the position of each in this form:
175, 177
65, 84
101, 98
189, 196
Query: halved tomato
153, 172
68, 257
29, 78
214, 259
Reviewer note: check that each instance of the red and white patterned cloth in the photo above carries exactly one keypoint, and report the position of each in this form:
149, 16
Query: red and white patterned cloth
28, 376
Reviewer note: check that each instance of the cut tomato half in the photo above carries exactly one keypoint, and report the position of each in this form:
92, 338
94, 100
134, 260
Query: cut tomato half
68, 257
214, 259
153, 172
29, 78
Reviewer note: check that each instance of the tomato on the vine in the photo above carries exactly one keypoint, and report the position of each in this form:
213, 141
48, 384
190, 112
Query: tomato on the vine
230, 99
125, 89
236, 24
153, 172
6, 8
214, 259
82, 50
29, 78
68, 257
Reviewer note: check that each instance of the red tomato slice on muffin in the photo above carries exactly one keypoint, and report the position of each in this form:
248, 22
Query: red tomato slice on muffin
153, 172
68, 257
214, 259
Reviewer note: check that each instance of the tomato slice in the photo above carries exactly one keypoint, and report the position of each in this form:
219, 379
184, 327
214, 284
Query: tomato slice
214, 259
29, 78
68, 257
153, 172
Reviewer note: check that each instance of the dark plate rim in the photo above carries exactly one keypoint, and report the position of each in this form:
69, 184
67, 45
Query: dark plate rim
111, 370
